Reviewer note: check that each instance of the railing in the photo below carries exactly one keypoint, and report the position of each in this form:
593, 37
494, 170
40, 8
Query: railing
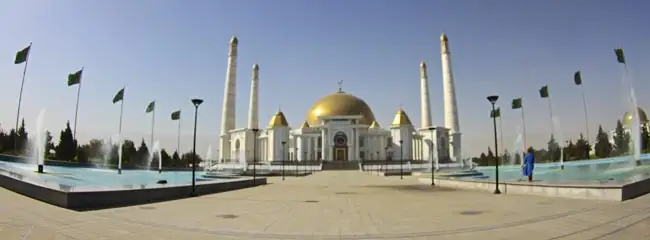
407, 166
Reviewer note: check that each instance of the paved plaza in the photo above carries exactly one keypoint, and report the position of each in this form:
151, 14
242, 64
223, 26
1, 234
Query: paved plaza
335, 205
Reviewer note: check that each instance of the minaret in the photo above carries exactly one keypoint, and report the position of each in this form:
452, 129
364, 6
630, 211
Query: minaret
253, 109
425, 103
449, 94
229, 95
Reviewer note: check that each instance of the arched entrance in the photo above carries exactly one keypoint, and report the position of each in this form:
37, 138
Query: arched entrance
340, 149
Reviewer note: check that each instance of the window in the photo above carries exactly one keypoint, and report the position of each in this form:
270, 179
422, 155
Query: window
320, 156
362, 155
320, 142
361, 142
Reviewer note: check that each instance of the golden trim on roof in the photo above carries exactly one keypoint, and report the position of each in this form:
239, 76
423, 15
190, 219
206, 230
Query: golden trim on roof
401, 119
278, 120
375, 124
305, 125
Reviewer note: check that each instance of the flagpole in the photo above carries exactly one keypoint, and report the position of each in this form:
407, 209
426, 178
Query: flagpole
523, 125
20, 96
76, 111
550, 109
584, 106
178, 137
153, 118
501, 130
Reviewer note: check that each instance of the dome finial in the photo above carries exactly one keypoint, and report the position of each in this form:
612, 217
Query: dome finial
340, 86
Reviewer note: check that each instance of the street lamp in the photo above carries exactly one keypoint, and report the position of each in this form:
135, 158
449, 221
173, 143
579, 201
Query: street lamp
255, 130
297, 158
386, 159
401, 159
493, 99
196, 103
431, 129
283, 143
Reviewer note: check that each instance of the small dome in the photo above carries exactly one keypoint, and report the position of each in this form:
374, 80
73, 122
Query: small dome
278, 120
305, 125
234, 41
340, 104
423, 64
443, 37
401, 119
375, 124
627, 118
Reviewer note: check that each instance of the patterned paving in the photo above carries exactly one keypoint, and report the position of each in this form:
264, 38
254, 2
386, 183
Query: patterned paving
335, 205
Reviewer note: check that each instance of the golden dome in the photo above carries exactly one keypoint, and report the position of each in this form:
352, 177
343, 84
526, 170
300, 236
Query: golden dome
340, 104
375, 124
401, 119
305, 125
278, 120
627, 118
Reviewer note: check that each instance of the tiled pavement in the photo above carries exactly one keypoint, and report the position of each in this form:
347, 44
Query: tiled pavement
335, 205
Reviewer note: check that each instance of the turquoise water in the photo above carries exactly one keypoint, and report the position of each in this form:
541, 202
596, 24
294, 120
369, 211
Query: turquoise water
93, 178
619, 168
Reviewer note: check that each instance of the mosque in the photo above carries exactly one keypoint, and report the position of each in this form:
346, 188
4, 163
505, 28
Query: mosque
340, 126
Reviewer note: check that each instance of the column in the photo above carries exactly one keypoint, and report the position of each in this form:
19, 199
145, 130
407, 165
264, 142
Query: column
325, 145
308, 150
357, 148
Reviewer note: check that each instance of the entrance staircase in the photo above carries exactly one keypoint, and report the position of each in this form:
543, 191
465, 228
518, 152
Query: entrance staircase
340, 165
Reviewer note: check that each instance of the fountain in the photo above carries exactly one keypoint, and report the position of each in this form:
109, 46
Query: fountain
560, 139
40, 141
635, 130
208, 158
115, 140
155, 149
518, 146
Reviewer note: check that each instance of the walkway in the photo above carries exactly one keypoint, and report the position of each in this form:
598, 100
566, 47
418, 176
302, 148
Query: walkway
335, 205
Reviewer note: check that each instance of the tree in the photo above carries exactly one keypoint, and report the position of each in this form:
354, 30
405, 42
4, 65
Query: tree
187, 157
49, 145
645, 139
21, 136
490, 157
603, 147
67, 148
517, 158
143, 155
621, 139
582, 148
570, 150
505, 157
176, 160
166, 159
553, 149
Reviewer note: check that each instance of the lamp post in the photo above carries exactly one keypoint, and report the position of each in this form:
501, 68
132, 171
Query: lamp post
196, 103
297, 158
431, 129
493, 99
385, 159
401, 159
255, 130
283, 143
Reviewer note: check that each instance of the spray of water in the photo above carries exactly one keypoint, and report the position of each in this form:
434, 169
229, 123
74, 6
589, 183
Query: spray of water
107, 148
635, 130
116, 140
518, 145
155, 149
40, 138
208, 158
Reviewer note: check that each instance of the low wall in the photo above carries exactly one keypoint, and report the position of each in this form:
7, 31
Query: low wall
49, 162
574, 191
93, 200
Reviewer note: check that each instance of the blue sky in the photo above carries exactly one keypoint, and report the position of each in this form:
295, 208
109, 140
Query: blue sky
170, 51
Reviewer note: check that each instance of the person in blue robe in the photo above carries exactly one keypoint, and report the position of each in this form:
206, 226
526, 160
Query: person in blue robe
529, 165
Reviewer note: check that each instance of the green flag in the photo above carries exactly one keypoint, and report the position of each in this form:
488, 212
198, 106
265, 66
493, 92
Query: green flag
516, 103
22, 55
150, 107
176, 115
119, 96
619, 55
75, 78
495, 113
543, 92
577, 78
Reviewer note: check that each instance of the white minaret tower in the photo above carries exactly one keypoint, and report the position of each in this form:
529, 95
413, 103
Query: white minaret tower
229, 95
425, 120
253, 108
450, 106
